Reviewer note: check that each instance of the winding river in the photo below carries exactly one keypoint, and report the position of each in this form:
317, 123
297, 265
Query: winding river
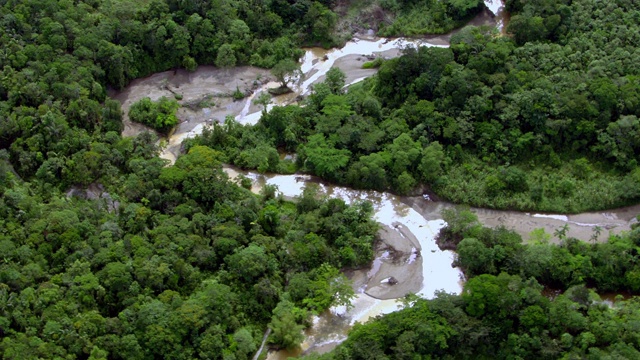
407, 252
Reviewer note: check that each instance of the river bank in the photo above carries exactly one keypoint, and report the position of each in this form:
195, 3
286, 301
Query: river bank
408, 259
407, 250
206, 92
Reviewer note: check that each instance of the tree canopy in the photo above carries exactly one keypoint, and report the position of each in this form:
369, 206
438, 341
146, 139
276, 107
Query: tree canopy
107, 253
542, 119
173, 262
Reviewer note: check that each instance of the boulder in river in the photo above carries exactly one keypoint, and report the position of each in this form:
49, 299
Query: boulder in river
279, 90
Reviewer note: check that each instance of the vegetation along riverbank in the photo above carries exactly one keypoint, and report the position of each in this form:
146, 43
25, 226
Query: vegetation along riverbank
177, 262
503, 311
545, 119
165, 262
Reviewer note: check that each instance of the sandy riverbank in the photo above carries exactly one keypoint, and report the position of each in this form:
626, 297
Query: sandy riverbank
580, 226
397, 270
194, 86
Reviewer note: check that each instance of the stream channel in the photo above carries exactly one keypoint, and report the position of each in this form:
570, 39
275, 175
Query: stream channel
407, 250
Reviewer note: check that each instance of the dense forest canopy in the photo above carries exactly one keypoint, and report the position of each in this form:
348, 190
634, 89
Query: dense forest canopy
182, 263
59, 58
499, 317
107, 253
545, 118
606, 267
520, 301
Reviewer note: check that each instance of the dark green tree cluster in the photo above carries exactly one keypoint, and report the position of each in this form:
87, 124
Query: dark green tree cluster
492, 121
159, 115
167, 262
499, 317
244, 146
133, 39
611, 266
59, 58
328, 134
412, 17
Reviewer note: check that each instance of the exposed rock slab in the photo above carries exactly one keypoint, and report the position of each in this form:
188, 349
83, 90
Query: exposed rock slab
398, 270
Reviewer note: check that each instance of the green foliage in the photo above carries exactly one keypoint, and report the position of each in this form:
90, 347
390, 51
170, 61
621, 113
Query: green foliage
373, 64
607, 267
323, 159
335, 80
329, 288
166, 262
318, 24
286, 332
429, 17
264, 99
176, 262
171, 262
238, 94
460, 222
568, 188
495, 122
250, 263
497, 317
160, 115
474, 257
285, 71
226, 57
270, 53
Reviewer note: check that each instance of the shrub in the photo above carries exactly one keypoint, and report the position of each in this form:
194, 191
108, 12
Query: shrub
160, 115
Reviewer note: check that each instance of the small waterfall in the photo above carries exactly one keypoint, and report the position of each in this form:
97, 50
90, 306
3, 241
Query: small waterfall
247, 105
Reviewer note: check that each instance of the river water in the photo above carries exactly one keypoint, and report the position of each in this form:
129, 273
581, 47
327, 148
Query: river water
315, 64
407, 252
214, 85
497, 9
